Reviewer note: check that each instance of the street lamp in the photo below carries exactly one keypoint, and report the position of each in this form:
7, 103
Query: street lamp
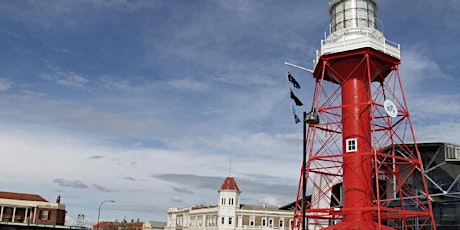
99, 213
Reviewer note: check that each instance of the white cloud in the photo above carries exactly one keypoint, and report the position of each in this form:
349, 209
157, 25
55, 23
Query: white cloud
176, 199
190, 84
129, 178
99, 121
71, 114
69, 183
182, 189
418, 67
124, 4
101, 188
436, 105
442, 131
5, 84
431, 96
66, 78
270, 200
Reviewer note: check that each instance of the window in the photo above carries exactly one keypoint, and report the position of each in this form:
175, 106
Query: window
452, 153
193, 221
223, 201
270, 223
8, 211
44, 214
281, 223
212, 221
264, 222
252, 220
223, 220
230, 201
229, 220
351, 145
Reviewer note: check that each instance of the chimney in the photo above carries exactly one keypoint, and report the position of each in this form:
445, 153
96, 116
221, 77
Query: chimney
58, 199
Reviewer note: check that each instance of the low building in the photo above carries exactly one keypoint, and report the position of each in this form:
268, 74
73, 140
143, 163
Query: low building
229, 214
30, 211
441, 162
153, 225
116, 225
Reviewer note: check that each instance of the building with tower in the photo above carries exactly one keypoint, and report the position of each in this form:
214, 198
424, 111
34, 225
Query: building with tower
229, 213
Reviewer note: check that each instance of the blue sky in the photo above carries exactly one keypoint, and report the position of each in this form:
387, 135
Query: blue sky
146, 102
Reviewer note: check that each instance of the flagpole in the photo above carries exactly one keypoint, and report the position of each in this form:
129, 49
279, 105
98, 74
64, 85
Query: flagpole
304, 165
298, 67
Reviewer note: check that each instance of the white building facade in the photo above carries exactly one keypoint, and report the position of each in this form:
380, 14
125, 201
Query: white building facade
229, 214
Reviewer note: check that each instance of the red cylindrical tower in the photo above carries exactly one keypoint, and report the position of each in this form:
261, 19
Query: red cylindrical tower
360, 172
356, 141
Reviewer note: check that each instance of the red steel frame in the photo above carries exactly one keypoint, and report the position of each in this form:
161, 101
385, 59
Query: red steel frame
381, 184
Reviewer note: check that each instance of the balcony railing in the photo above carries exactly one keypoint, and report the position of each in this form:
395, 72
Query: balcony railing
356, 38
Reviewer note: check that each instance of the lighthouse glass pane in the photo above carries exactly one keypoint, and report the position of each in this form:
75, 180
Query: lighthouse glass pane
349, 4
337, 16
339, 20
351, 18
348, 18
371, 14
372, 20
339, 6
361, 4
363, 18
371, 6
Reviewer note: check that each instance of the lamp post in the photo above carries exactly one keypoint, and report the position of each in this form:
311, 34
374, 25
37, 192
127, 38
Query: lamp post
99, 213
304, 169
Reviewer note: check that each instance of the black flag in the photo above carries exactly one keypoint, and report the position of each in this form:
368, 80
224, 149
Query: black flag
296, 100
292, 80
296, 118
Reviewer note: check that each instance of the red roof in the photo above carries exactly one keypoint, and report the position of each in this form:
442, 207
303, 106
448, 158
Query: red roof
229, 184
21, 196
105, 224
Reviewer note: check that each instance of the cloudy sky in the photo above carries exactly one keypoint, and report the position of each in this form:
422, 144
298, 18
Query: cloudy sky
153, 103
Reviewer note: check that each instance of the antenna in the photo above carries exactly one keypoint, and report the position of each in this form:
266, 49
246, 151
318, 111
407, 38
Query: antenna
230, 166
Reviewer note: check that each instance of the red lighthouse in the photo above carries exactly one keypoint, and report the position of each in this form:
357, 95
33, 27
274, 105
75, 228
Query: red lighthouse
360, 173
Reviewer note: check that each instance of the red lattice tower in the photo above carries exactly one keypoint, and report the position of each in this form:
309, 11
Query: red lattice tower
360, 172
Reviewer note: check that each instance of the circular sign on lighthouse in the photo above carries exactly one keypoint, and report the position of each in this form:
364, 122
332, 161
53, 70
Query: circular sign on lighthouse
390, 108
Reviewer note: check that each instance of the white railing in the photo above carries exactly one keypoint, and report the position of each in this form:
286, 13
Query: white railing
355, 38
